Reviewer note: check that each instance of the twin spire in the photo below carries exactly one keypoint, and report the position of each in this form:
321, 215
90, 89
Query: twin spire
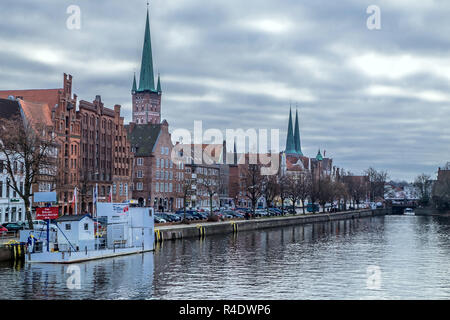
293, 145
146, 76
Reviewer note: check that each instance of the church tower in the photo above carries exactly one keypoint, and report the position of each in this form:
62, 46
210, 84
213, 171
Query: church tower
146, 98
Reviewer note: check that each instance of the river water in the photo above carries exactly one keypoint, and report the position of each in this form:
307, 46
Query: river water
392, 257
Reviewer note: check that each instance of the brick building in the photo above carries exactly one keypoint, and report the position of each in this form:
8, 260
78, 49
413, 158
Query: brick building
58, 107
156, 179
105, 157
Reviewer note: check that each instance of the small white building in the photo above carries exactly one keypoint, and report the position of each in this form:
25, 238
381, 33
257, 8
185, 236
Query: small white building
12, 207
76, 232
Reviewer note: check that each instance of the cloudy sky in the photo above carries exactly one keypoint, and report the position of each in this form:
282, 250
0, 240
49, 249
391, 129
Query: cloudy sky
376, 98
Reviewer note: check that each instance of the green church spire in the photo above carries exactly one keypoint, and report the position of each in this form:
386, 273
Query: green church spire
158, 87
290, 146
319, 156
146, 79
298, 147
133, 90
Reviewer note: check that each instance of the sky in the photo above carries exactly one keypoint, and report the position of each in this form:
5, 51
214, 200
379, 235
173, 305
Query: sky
370, 98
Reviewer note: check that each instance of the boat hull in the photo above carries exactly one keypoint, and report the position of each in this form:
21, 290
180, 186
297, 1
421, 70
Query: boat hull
80, 256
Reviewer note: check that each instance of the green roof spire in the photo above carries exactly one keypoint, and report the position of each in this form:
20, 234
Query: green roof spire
158, 87
298, 147
290, 146
146, 79
134, 84
319, 156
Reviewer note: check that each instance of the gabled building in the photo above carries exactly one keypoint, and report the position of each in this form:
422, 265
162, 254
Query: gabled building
56, 107
156, 179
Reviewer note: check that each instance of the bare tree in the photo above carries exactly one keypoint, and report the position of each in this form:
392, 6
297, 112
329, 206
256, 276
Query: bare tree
377, 180
423, 184
186, 191
357, 187
325, 191
212, 188
283, 190
32, 147
304, 187
252, 184
270, 189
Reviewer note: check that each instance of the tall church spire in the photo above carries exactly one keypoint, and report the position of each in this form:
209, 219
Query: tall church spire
158, 86
298, 147
290, 146
133, 89
146, 78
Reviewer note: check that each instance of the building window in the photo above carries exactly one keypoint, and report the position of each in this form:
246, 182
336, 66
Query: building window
140, 161
157, 162
68, 226
120, 189
114, 188
86, 226
170, 187
139, 174
157, 187
139, 186
161, 187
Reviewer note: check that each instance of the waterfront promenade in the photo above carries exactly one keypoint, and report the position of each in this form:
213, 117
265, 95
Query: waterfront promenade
202, 229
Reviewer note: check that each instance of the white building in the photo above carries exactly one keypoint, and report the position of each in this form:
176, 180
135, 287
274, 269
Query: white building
76, 232
12, 207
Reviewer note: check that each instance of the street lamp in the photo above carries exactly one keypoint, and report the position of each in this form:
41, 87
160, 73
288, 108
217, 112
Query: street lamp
9, 205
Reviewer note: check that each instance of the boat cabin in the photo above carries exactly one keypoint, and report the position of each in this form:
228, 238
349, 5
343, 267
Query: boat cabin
76, 233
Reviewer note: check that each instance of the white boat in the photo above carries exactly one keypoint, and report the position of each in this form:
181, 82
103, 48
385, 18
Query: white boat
408, 212
129, 230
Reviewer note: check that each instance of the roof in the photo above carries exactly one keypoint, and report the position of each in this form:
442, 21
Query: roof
143, 137
49, 96
37, 113
290, 145
9, 108
76, 217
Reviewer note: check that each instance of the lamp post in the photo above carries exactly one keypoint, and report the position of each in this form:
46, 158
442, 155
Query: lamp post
9, 205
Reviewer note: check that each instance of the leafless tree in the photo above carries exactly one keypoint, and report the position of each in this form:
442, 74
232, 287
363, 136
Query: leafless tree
283, 190
270, 189
423, 184
212, 188
33, 148
377, 180
252, 182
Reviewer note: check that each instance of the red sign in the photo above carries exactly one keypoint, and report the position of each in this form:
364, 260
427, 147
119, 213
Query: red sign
46, 213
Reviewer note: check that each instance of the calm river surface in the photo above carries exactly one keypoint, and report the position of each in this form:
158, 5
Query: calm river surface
317, 261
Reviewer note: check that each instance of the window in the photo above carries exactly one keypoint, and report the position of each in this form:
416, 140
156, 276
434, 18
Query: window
157, 174
120, 189
157, 187
139, 186
157, 162
114, 188
170, 187
140, 174
140, 161
161, 187
86, 226
68, 226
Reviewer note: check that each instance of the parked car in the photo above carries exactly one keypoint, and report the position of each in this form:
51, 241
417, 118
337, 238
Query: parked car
41, 225
158, 219
11, 226
3, 230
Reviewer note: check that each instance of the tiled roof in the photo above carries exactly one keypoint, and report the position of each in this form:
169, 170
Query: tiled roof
37, 113
143, 137
49, 96
73, 217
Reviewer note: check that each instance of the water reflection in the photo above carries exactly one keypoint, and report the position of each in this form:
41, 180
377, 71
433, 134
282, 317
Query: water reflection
320, 261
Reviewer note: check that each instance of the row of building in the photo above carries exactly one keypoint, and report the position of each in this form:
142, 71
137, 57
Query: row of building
130, 161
